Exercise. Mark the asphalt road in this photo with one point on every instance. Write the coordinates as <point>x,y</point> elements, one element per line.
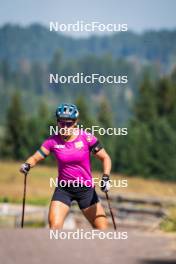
<point>34,246</point>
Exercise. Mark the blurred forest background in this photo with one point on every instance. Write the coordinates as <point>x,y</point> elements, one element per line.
<point>146,104</point>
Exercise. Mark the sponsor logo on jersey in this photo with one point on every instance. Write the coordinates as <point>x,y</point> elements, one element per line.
<point>89,138</point>
<point>59,146</point>
<point>79,144</point>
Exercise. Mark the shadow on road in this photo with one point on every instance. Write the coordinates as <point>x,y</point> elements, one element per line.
<point>158,261</point>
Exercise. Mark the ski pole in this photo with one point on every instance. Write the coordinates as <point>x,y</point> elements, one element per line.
<point>110,209</point>
<point>24,200</point>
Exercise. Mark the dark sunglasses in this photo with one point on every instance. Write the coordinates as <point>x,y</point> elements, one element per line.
<point>66,123</point>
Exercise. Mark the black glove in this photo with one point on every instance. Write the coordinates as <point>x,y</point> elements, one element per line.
<point>105,183</point>
<point>25,167</point>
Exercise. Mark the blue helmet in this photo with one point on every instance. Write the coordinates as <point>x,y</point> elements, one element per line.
<point>69,111</point>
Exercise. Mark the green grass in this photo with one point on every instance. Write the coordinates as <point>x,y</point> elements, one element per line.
<point>169,223</point>
<point>34,224</point>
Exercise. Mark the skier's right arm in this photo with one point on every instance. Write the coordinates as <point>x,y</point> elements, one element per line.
<point>40,154</point>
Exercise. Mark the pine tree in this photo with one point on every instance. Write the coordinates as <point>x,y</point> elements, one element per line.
<point>105,114</point>
<point>56,63</point>
<point>84,116</point>
<point>14,145</point>
<point>166,98</point>
<point>145,105</point>
<point>39,124</point>
<point>105,120</point>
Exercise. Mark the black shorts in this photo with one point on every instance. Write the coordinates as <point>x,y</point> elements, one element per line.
<point>84,196</point>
